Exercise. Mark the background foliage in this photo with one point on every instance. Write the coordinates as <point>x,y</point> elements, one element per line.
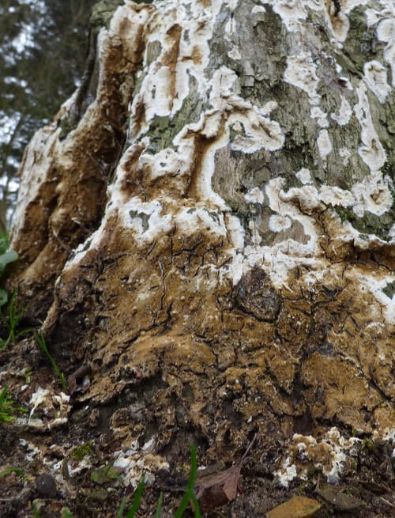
<point>43,46</point>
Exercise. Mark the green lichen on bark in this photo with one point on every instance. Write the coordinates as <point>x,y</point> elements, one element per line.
<point>361,44</point>
<point>369,223</point>
<point>162,130</point>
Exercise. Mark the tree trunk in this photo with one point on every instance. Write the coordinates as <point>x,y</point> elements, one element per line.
<point>208,229</point>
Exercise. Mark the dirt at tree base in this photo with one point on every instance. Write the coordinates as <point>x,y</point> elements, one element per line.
<point>208,252</point>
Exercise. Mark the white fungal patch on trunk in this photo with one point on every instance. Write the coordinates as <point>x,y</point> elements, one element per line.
<point>372,151</point>
<point>279,259</point>
<point>258,9</point>
<point>254,195</point>
<point>375,77</point>
<point>145,218</point>
<point>384,20</point>
<point>304,176</point>
<point>386,34</point>
<point>346,154</point>
<point>189,219</point>
<point>339,22</point>
<point>320,116</point>
<point>292,12</point>
<point>183,31</point>
<point>335,196</point>
<point>324,143</point>
<point>373,194</point>
<point>376,286</point>
<point>279,223</point>
<point>344,114</point>
<point>301,72</point>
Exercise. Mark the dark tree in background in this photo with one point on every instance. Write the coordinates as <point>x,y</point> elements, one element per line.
<point>43,45</point>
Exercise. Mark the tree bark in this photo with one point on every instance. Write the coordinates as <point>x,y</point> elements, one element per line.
<point>214,241</point>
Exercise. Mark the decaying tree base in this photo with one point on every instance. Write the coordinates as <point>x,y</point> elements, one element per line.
<point>208,249</point>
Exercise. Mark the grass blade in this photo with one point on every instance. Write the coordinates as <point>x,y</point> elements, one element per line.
<point>138,494</point>
<point>158,513</point>
<point>189,495</point>
<point>121,509</point>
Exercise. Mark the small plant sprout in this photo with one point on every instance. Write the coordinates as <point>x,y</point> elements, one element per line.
<point>12,320</point>
<point>42,345</point>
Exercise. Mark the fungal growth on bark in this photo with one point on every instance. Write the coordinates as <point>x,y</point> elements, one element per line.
<point>213,240</point>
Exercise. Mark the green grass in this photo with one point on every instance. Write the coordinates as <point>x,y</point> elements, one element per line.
<point>121,509</point>
<point>8,408</point>
<point>158,512</point>
<point>12,469</point>
<point>66,513</point>
<point>138,494</point>
<point>11,321</point>
<point>42,345</point>
<point>189,495</point>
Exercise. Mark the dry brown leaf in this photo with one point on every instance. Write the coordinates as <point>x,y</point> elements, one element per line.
<point>220,488</point>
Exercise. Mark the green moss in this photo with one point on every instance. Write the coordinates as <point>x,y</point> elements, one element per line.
<point>368,444</point>
<point>105,474</point>
<point>82,451</point>
<point>11,469</point>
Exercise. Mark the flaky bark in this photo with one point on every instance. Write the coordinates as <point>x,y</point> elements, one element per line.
<point>215,238</point>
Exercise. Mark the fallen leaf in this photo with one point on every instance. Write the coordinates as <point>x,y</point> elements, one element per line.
<point>340,501</point>
<point>296,507</point>
<point>220,488</point>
